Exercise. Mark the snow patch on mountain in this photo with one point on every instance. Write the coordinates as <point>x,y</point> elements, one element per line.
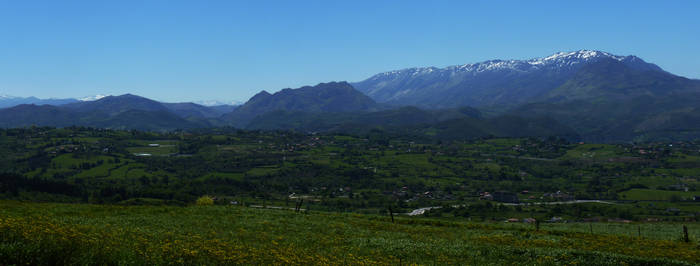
<point>93,98</point>
<point>217,102</point>
<point>558,60</point>
<point>5,96</point>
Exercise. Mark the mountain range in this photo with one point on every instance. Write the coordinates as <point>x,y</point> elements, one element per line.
<point>9,101</point>
<point>603,97</point>
<point>589,95</point>
<point>497,82</point>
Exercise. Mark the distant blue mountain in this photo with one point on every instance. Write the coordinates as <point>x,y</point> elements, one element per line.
<point>9,101</point>
<point>118,112</point>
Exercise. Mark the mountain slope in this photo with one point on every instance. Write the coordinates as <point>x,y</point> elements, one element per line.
<point>356,121</point>
<point>608,101</point>
<point>489,83</point>
<point>193,110</point>
<point>113,105</point>
<point>445,124</point>
<point>332,97</point>
<point>29,114</point>
<point>609,79</point>
<point>641,118</point>
<point>602,97</point>
<point>146,120</point>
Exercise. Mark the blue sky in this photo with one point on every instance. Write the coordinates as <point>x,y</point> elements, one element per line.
<point>230,50</point>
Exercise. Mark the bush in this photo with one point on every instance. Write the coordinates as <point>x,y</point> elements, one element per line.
<point>205,200</point>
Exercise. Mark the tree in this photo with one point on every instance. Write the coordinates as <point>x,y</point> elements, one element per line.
<point>205,200</point>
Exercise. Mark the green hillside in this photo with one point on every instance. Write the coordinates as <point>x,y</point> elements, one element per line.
<point>331,97</point>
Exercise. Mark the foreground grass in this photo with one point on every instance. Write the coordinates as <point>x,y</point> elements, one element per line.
<point>42,233</point>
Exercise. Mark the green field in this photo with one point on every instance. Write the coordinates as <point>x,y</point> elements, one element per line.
<point>593,152</point>
<point>72,234</point>
<point>658,195</point>
<point>129,209</point>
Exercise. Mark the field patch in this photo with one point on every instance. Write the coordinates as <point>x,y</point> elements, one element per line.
<point>660,195</point>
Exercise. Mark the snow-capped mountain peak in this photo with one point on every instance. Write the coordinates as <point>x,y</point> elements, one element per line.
<point>557,60</point>
<point>5,96</point>
<point>492,82</point>
<point>93,98</point>
<point>560,59</point>
<point>573,57</point>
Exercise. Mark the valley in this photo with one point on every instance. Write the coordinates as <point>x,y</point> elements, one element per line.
<point>355,173</point>
<point>183,133</point>
<point>580,158</point>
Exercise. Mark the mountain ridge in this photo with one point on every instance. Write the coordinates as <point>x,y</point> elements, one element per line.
<point>487,83</point>
<point>330,97</point>
<point>594,95</point>
<point>10,101</point>
<point>126,111</point>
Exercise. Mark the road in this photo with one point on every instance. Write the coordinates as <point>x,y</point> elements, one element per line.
<point>421,211</point>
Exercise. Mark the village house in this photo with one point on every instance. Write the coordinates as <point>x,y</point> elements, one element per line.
<point>555,220</point>
<point>559,196</point>
<point>485,196</point>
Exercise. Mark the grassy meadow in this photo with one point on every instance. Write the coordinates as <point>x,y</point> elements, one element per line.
<point>84,234</point>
